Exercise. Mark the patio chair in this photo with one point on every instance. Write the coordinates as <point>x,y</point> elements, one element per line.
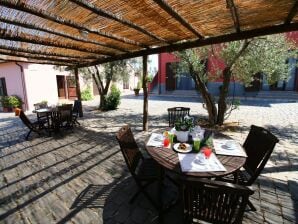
<point>144,171</point>
<point>33,126</point>
<point>77,107</point>
<point>62,118</point>
<point>214,201</point>
<point>258,146</point>
<point>175,113</point>
<point>41,117</point>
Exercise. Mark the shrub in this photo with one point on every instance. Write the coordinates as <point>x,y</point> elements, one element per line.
<point>86,94</point>
<point>113,99</point>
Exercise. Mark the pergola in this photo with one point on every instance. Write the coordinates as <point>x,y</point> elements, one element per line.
<point>80,33</point>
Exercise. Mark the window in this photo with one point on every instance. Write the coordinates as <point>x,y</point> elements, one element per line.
<point>3,91</point>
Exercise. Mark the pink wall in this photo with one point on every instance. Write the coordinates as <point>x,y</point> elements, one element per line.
<point>12,74</point>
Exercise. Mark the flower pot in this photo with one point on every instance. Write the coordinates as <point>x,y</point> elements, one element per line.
<point>7,109</point>
<point>136,91</point>
<point>182,136</point>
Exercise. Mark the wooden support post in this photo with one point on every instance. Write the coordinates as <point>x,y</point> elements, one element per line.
<point>78,88</point>
<point>145,91</point>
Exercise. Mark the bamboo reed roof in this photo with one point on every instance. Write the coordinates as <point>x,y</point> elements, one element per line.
<point>88,32</point>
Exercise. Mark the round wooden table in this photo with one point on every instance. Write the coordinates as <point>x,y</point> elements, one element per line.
<point>168,159</point>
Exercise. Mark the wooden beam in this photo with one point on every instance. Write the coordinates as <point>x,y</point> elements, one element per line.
<point>22,6</point>
<point>109,15</point>
<point>47,30</point>
<point>38,52</point>
<point>7,35</point>
<point>145,92</point>
<point>40,57</point>
<point>234,12</point>
<point>201,42</point>
<point>165,6</point>
<point>78,88</point>
<point>35,62</point>
<point>292,12</point>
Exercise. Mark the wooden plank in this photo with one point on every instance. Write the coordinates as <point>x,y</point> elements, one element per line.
<point>40,57</point>
<point>34,40</point>
<point>109,15</point>
<point>22,6</point>
<point>235,17</point>
<point>47,30</point>
<point>292,13</point>
<point>39,52</point>
<point>202,42</point>
<point>34,62</point>
<point>165,6</point>
<point>145,92</point>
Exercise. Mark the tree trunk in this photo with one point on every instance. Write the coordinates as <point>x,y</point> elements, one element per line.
<point>210,104</point>
<point>222,104</point>
<point>102,101</point>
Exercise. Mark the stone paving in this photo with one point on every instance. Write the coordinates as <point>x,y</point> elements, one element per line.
<point>80,176</point>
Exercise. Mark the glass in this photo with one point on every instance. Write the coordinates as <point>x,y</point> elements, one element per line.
<point>171,137</point>
<point>166,142</point>
<point>196,143</point>
<point>207,152</point>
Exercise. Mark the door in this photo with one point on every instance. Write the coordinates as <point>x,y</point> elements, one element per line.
<point>170,77</point>
<point>61,86</point>
<point>71,87</point>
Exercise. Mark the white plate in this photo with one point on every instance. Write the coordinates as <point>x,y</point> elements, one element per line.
<point>188,148</point>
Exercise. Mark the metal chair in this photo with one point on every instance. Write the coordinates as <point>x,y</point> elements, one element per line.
<point>144,171</point>
<point>258,145</point>
<point>175,113</point>
<point>214,201</point>
<point>33,126</point>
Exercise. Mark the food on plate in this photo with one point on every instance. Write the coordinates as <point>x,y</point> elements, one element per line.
<point>182,146</point>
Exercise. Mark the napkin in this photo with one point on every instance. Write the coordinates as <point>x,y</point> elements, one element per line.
<point>190,162</point>
<point>155,140</point>
<point>228,147</point>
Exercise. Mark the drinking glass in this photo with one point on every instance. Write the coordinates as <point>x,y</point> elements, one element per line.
<point>207,152</point>
<point>166,142</point>
<point>171,137</point>
<point>196,143</point>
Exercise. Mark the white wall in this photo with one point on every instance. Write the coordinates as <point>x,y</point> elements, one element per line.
<point>41,84</point>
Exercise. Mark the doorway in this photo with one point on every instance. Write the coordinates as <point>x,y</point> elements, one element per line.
<point>61,86</point>
<point>170,77</point>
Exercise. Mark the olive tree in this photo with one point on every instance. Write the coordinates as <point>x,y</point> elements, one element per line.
<point>242,60</point>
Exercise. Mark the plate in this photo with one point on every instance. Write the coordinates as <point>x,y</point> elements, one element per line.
<point>188,148</point>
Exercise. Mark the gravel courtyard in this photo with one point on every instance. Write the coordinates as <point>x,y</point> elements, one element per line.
<point>80,176</point>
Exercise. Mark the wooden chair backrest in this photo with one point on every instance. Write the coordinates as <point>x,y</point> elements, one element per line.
<point>65,112</point>
<point>214,201</point>
<point>40,105</point>
<point>175,113</point>
<point>129,148</point>
<point>26,120</point>
<point>258,145</point>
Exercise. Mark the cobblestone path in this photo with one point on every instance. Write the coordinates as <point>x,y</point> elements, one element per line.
<point>80,176</point>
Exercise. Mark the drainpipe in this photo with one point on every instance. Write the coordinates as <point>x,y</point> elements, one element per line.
<point>24,87</point>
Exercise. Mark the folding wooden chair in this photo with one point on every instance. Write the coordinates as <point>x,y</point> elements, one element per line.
<point>144,171</point>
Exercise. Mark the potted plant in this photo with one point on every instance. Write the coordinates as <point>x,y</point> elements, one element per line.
<point>5,103</point>
<point>10,102</point>
<point>182,128</point>
<point>137,89</point>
